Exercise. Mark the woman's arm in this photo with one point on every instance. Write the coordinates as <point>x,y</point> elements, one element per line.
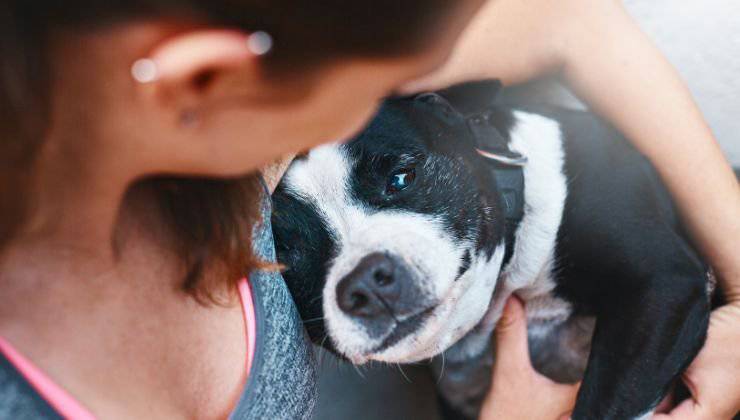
<point>613,66</point>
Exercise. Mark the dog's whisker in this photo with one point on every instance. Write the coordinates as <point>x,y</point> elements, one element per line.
<point>400,369</point>
<point>442,371</point>
<point>322,351</point>
<point>321,318</point>
<point>359,372</point>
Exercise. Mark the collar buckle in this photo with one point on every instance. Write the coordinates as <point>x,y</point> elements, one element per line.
<point>490,143</point>
<point>504,157</point>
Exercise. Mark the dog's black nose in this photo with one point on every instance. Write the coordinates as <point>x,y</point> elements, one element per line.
<point>374,287</point>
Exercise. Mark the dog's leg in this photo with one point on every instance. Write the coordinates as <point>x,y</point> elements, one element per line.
<point>558,351</point>
<point>463,379</point>
<point>643,341</point>
<point>624,259</point>
<point>562,352</point>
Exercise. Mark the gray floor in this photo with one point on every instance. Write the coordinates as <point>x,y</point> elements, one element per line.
<point>702,39</point>
<point>374,392</point>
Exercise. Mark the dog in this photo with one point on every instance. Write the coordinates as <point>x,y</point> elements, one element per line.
<point>405,242</point>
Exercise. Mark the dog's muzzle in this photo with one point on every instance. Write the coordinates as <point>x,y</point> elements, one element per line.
<point>383,295</point>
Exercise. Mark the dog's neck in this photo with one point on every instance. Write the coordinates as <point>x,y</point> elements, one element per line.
<point>528,273</point>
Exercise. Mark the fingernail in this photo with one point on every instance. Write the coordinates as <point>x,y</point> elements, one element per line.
<point>512,302</point>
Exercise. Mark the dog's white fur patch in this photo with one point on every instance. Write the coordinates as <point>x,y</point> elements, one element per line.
<point>419,240</point>
<point>529,273</point>
<point>540,140</point>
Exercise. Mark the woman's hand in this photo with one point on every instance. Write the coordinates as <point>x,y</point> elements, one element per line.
<point>518,391</point>
<point>715,373</point>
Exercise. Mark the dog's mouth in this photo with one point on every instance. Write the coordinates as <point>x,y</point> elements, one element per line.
<point>403,329</point>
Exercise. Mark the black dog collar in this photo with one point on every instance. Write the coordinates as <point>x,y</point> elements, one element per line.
<point>508,168</point>
<point>473,105</point>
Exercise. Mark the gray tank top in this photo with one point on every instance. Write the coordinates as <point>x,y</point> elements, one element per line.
<point>282,382</point>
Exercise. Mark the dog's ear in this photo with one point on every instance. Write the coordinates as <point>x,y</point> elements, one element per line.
<point>463,100</point>
<point>472,97</point>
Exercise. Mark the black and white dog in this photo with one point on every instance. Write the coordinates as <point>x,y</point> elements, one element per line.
<point>405,243</point>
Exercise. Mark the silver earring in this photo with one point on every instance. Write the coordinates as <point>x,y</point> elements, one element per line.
<point>259,43</point>
<point>145,71</point>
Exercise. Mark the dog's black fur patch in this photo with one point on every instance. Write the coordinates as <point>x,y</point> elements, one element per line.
<point>304,246</point>
<point>430,141</point>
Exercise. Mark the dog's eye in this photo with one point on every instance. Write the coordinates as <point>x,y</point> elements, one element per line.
<point>401,180</point>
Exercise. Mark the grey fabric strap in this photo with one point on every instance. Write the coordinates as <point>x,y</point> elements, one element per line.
<point>18,399</point>
<point>282,382</point>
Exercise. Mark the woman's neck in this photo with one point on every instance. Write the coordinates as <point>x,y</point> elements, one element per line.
<point>75,203</point>
<point>66,294</point>
<point>82,232</point>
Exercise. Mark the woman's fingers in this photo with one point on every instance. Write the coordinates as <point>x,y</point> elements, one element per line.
<point>564,399</point>
<point>667,404</point>
<point>687,410</point>
<point>713,378</point>
<point>511,338</point>
<point>518,391</point>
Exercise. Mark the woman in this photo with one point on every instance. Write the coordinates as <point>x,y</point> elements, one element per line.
<point>127,128</point>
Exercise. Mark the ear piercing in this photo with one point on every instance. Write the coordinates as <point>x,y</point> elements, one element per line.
<point>145,71</point>
<point>259,43</point>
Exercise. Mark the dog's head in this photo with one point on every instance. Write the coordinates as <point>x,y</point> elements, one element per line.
<point>393,242</point>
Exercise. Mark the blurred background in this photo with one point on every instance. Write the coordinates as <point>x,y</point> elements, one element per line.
<point>702,39</point>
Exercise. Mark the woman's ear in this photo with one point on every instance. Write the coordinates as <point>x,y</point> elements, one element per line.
<point>181,68</point>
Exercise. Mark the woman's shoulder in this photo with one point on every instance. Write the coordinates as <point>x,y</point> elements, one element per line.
<point>282,379</point>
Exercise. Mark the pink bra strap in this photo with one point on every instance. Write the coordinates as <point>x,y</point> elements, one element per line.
<point>59,399</point>
<point>67,406</point>
<point>250,320</point>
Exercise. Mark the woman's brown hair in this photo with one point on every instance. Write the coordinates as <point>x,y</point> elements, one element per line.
<point>211,220</point>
